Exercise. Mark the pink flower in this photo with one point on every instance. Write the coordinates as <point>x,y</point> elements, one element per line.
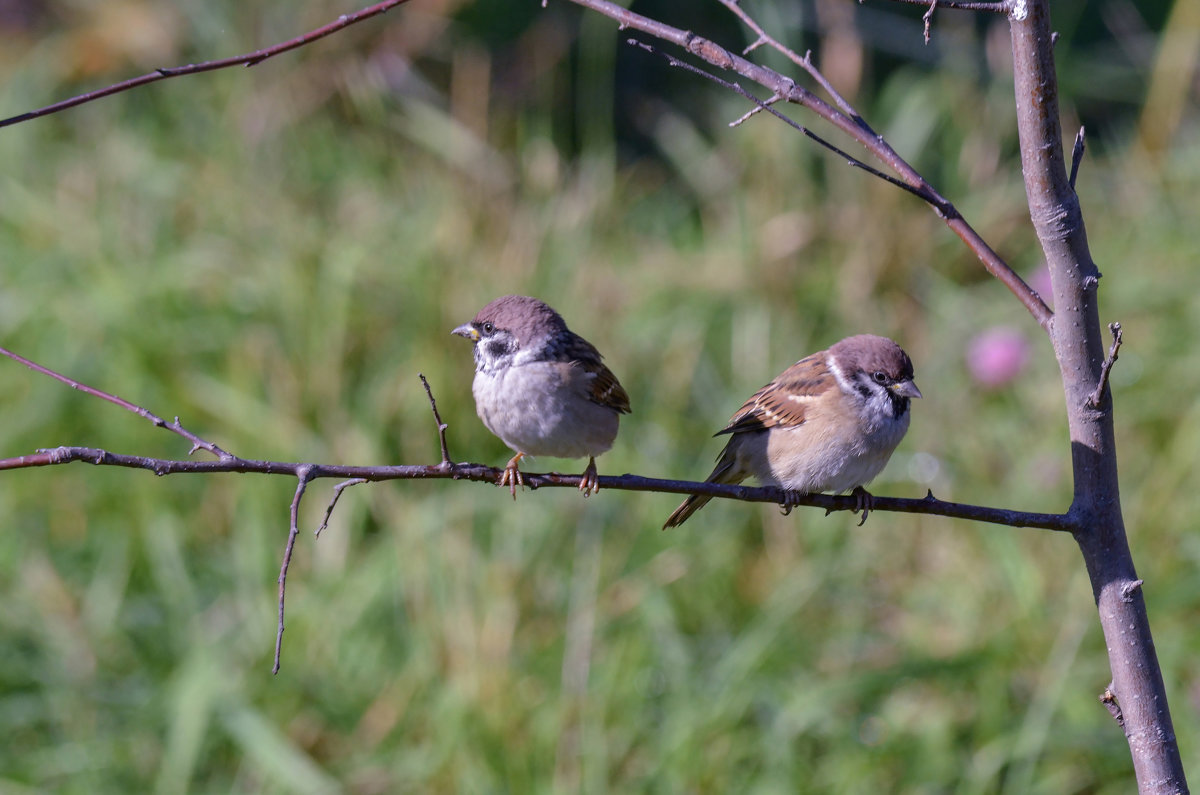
<point>997,356</point>
<point>1040,281</point>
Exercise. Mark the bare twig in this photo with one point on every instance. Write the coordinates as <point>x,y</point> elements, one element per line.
<point>804,63</point>
<point>173,427</point>
<point>1109,699</point>
<point>1097,396</point>
<point>441,426</point>
<point>927,18</point>
<point>759,108</point>
<point>965,5</point>
<point>930,197</point>
<point>1077,156</point>
<point>337,495</point>
<point>303,476</point>
<point>248,59</point>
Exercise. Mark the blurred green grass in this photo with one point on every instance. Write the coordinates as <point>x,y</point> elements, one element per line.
<point>274,254</point>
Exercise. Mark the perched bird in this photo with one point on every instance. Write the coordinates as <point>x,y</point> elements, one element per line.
<point>828,423</point>
<point>542,388</point>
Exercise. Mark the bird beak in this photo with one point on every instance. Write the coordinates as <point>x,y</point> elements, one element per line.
<point>905,389</point>
<point>468,331</point>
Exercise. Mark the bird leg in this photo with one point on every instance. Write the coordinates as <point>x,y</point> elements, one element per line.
<point>864,502</point>
<point>589,482</point>
<point>790,500</point>
<point>512,476</point>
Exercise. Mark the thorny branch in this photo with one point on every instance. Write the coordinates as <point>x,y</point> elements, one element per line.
<point>247,59</point>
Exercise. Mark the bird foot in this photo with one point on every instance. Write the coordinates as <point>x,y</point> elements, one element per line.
<point>512,475</point>
<point>589,482</point>
<point>790,500</point>
<point>864,503</point>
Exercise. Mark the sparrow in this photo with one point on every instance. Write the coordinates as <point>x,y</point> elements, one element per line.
<point>541,387</point>
<point>828,423</point>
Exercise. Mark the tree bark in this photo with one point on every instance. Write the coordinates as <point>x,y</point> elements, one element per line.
<point>1076,334</point>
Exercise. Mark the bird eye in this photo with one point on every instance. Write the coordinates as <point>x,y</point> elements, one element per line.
<point>488,327</point>
<point>880,377</point>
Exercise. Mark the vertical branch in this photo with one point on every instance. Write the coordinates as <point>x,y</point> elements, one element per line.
<point>303,476</point>
<point>1076,335</point>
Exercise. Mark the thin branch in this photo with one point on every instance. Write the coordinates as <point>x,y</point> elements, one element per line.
<point>927,18</point>
<point>804,63</point>
<point>759,108</point>
<point>437,418</point>
<point>481,473</point>
<point>787,88</point>
<point>1077,156</point>
<point>248,59</point>
<point>333,501</point>
<point>1097,396</point>
<point>965,5</point>
<point>931,198</point>
<point>302,477</point>
<point>173,427</point>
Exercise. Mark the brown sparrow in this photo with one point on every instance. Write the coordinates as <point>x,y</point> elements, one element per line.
<point>541,387</point>
<point>828,423</point>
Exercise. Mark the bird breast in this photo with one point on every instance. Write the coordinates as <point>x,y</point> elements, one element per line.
<point>544,408</point>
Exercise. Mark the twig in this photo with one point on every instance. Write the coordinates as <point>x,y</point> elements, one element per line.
<point>1097,396</point>
<point>927,18</point>
<point>1077,156</point>
<point>303,476</point>
<point>804,63</point>
<point>248,59</point>
<point>337,495</point>
<point>441,426</point>
<point>965,5</point>
<point>173,427</point>
<point>1109,699</point>
<point>931,198</point>
<point>759,108</point>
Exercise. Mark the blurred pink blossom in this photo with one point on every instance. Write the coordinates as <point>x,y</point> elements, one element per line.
<point>1040,281</point>
<point>997,356</point>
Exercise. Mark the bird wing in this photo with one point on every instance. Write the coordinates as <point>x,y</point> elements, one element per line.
<point>784,401</point>
<point>603,386</point>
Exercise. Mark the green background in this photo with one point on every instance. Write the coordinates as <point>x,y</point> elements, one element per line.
<point>273,254</point>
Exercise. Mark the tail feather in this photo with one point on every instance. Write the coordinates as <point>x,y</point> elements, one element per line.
<point>723,473</point>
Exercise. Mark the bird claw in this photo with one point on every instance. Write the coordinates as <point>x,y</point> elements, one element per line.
<point>790,500</point>
<point>864,503</point>
<point>589,482</point>
<point>512,475</point>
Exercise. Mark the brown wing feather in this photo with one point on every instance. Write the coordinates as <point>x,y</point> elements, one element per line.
<point>784,401</point>
<point>605,388</point>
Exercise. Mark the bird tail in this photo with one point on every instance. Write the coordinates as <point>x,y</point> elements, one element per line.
<point>724,472</point>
